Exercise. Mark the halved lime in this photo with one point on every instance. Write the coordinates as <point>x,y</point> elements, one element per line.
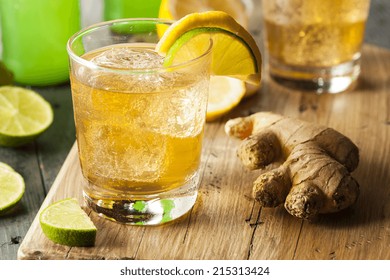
<point>24,115</point>
<point>11,188</point>
<point>65,223</point>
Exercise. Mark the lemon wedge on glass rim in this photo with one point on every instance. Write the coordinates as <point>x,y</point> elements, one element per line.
<point>240,10</point>
<point>235,54</point>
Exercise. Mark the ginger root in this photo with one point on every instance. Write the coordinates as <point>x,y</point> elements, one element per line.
<point>316,161</point>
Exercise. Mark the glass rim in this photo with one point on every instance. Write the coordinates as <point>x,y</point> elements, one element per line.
<point>99,25</point>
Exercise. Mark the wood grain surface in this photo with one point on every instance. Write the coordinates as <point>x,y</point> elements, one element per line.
<point>226,223</point>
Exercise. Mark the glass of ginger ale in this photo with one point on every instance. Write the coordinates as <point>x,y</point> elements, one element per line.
<point>315,45</point>
<point>139,125</point>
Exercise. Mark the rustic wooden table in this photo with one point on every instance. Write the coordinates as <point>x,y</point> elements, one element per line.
<point>362,232</point>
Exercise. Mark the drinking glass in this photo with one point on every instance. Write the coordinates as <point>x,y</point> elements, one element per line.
<point>315,45</point>
<point>139,124</point>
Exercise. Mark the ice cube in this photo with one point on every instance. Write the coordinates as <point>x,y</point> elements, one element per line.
<point>128,58</point>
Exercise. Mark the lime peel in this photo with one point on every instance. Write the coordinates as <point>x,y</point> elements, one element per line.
<point>65,222</point>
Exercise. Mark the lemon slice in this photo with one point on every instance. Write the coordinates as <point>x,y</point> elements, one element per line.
<point>64,222</point>
<point>235,52</point>
<point>176,9</point>
<point>224,94</point>
<point>24,115</point>
<point>11,187</point>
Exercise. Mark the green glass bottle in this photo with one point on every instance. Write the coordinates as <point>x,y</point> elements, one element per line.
<point>114,9</point>
<point>34,37</point>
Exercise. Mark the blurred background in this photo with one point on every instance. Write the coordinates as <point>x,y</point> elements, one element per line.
<point>93,11</point>
<point>378,20</point>
<point>379,15</point>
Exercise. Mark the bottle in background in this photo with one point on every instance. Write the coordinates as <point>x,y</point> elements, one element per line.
<point>34,36</point>
<point>115,9</point>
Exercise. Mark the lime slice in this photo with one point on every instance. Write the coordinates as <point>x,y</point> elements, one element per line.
<point>11,188</point>
<point>65,223</point>
<point>225,93</point>
<point>6,166</point>
<point>235,52</point>
<point>24,115</point>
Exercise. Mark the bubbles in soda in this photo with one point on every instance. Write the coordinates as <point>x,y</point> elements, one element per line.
<point>138,130</point>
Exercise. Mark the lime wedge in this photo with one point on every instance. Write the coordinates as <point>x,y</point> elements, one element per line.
<point>24,115</point>
<point>11,187</point>
<point>65,223</point>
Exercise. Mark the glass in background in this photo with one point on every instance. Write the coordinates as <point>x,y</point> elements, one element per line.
<point>315,45</point>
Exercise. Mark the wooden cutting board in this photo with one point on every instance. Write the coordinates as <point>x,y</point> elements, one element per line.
<point>226,223</point>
